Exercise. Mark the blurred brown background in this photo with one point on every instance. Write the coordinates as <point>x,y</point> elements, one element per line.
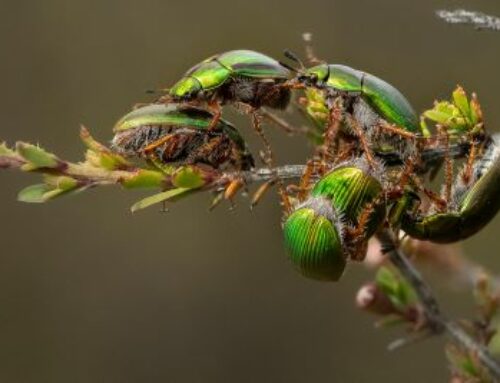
<point>92,293</point>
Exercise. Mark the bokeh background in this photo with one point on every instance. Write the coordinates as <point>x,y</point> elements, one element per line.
<point>91,293</point>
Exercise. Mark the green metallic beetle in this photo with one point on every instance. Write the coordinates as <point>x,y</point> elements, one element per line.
<point>473,206</point>
<point>361,90</point>
<point>243,76</point>
<point>367,102</point>
<point>344,209</point>
<point>178,133</point>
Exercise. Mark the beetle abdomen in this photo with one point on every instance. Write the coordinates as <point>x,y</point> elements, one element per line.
<point>131,142</point>
<point>257,93</point>
<point>177,133</point>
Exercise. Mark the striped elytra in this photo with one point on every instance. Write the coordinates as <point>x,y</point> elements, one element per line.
<point>313,239</point>
<point>385,99</point>
<point>242,76</point>
<point>351,190</point>
<point>344,209</point>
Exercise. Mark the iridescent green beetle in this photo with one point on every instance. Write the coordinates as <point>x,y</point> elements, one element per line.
<point>474,204</point>
<point>239,77</point>
<point>179,133</point>
<point>368,102</point>
<point>344,209</point>
<point>362,89</point>
<point>243,76</point>
<point>314,240</point>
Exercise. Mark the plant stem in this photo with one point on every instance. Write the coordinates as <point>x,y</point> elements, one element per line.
<point>437,321</point>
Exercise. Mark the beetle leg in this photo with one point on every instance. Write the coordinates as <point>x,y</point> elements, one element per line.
<point>448,161</point>
<point>440,203</point>
<point>216,200</point>
<point>407,172</point>
<point>279,122</point>
<point>234,186</point>
<point>215,107</point>
<point>285,200</point>
<point>328,150</point>
<point>469,165</point>
<point>257,196</point>
<point>384,125</point>
<point>210,152</point>
<point>362,138</point>
<point>268,160</point>
<point>356,236</point>
<point>305,180</point>
<point>157,143</point>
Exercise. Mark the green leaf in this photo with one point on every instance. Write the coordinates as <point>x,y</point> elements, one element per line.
<point>188,177</point>
<point>439,117</point>
<point>112,161</point>
<point>460,100</point>
<point>446,107</point>
<point>33,193</point>
<point>101,155</point>
<point>469,367</point>
<point>41,193</point>
<point>144,179</point>
<point>36,156</point>
<point>425,129</point>
<point>157,198</point>
<point>51,194</point>
<point>38,193</point>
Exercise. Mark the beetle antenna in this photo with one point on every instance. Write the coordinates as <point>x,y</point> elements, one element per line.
<point>292,56</point>
<point>156,91</point>
<point>289,67</point>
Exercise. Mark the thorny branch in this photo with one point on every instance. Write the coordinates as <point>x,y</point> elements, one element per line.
<point>437,321</point>
<point>478,20</point>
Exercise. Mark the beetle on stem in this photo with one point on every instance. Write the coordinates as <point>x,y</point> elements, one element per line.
<point>334,223</point>
<point>474,203</point>
<point>244,78</point>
